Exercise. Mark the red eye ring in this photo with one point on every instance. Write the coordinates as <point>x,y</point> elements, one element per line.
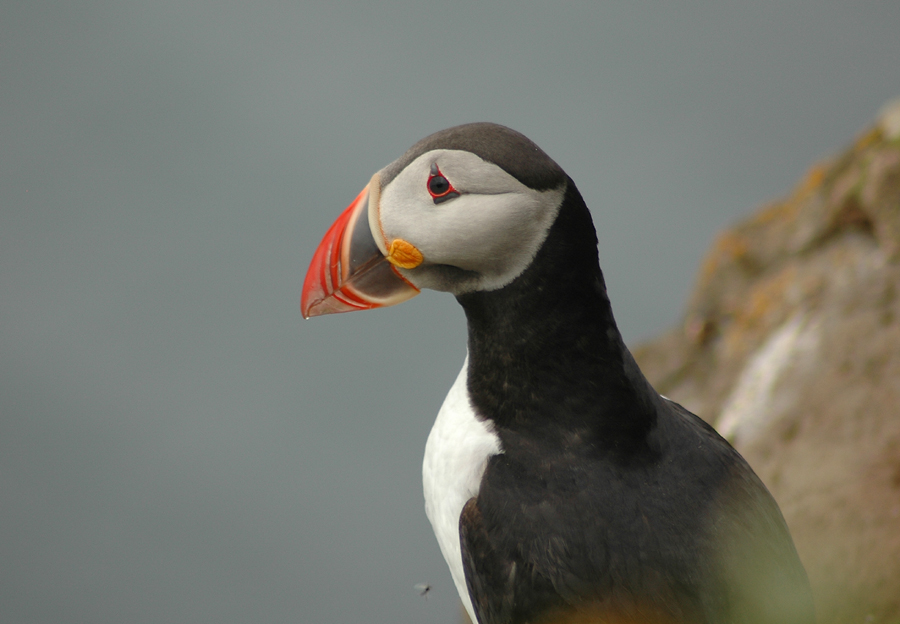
<point>439,186</point>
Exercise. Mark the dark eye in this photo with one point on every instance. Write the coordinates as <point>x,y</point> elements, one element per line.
<point>439,187</point>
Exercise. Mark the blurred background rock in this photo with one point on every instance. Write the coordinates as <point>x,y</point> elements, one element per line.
<point>790,346</point>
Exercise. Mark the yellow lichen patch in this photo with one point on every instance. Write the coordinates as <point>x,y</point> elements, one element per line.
<point>779,211</point>
<point>765,298</point>
<point>728,247</point>
<point>759,311</point>
<point>812,180</point>
<point>867,139</point>
<point>404,255</point>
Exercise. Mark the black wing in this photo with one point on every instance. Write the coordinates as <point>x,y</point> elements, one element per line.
<point>488,575</point>
<point>687,534</point>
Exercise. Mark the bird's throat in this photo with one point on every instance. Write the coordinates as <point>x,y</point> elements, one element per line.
<point>546,348</point>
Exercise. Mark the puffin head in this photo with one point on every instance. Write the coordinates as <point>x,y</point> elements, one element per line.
<point>465,209</point>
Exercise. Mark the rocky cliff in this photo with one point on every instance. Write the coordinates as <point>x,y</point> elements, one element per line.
<point>790,346</point>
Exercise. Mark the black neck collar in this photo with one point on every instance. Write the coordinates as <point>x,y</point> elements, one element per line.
<point>545,355</point>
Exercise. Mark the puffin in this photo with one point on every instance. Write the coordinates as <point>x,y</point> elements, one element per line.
<point>561,487</point>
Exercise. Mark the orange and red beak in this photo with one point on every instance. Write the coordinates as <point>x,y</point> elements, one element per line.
<point>349,271</point>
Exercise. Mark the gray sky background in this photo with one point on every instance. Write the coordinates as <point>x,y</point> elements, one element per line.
<point>176,443</point>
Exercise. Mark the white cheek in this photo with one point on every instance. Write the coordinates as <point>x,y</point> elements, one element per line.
<point>482,233</point>
<point>492,230</point>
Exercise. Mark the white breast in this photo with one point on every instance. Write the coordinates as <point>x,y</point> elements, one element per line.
<point>456,454</point>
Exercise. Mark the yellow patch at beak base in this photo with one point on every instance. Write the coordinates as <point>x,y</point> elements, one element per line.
<point>404,255</point>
